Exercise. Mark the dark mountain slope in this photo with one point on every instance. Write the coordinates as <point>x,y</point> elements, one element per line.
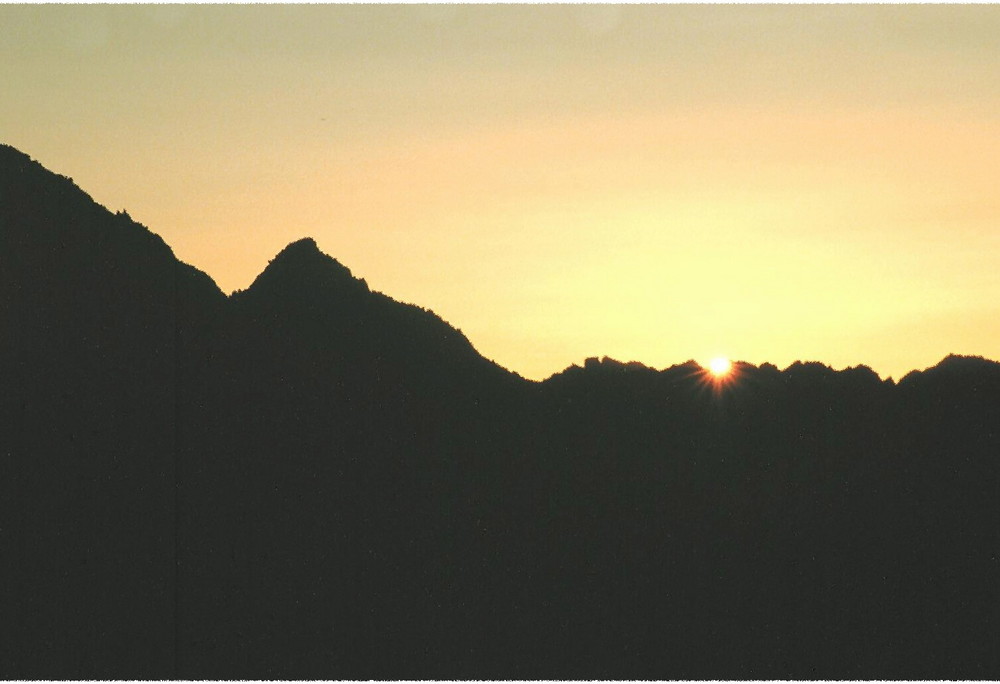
<point>308,306</point>
<point>359,438</point>
<point>102,327</point>
<point>308,479</point>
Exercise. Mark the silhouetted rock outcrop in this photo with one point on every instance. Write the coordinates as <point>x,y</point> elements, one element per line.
<point>308,479</point>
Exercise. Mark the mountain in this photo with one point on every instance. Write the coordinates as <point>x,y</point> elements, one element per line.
<point>103,333</point>
<point>355,338</point>
<point>308,479</point>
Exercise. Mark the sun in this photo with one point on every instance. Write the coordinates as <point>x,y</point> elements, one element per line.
<point>720,366</point>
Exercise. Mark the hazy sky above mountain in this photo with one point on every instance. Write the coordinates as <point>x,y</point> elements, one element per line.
<point>657,183</point>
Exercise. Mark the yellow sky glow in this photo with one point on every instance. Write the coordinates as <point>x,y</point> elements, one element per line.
<point>658,183</point>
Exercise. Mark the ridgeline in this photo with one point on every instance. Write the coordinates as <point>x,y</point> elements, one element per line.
<point>308,479</point>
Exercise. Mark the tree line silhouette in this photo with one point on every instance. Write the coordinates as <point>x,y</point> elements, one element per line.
<point>308,479</point>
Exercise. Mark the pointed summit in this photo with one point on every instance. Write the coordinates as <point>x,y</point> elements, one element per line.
<point>305,248</point>
<point>301,267</point>
<point>308,299</point>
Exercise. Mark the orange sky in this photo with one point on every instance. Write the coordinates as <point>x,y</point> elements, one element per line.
<point>657,183</point>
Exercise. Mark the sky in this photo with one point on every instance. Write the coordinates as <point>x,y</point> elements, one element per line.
<point>651,183</point>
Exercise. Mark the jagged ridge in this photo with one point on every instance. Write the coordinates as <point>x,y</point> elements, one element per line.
<point>310,480</point>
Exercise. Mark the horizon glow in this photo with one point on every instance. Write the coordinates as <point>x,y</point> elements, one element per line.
<point>559,182</point>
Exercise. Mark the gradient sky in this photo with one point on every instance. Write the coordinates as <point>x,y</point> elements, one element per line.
<point>656,183</point>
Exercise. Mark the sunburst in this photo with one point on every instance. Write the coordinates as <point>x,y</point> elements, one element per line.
<point>720,367</point>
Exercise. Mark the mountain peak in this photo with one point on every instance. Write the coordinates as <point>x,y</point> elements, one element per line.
<point>302,267</point>
<point>303,247</point>
<point>305,253</point>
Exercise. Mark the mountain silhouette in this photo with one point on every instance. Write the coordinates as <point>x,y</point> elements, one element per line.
<point>308,479</point>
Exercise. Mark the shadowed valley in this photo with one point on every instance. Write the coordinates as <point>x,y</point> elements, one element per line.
<point>308,479</point>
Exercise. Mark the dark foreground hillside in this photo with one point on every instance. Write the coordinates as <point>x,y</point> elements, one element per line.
<point>308,479</point>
